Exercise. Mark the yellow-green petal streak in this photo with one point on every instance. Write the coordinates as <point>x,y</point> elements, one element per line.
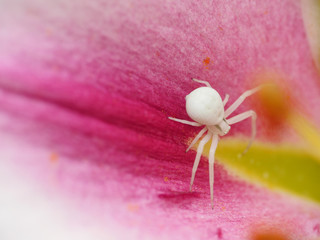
<point>282,167</point>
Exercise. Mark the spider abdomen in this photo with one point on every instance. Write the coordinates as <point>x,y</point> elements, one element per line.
<point>204,105</point>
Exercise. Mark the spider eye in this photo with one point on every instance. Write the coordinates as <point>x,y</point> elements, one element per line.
<point>204,105</point>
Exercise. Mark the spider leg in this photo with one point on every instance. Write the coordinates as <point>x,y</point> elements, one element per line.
<point>212,152</point>
<point>201,81</point>
<point>240,100</point>
<point>226,99</point>
<point>198,156</point>
<point>197,138</point>
<point>195,124</point>
<point>241,117</point>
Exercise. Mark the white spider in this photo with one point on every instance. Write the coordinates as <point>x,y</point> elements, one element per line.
<point>205,106</point>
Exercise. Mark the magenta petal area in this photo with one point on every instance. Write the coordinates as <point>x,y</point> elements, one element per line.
<point>87,88</point>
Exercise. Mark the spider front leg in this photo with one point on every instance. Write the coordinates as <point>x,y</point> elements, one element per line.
<point>225,100</point>
<point>198,156</point>
<point>212,152</point>
<point>241,117</point>
<point>195,124</point>
<point>201,81</point>
<point>240,100</point>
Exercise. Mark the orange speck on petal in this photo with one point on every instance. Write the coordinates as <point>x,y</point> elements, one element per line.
<point>54,158</point>
<point>269,236</point>
<point>133,207</point>
<point>166,179</point>
<point>48,32</point>
<point>206,61</point>
<point>264,231</point>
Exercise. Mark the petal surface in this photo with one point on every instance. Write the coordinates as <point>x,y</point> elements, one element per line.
<point>86,89</point>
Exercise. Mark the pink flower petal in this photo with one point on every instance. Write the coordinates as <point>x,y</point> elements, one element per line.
<point>88,86</point>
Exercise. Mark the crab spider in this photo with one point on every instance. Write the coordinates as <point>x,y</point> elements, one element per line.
<point>205,106</point>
